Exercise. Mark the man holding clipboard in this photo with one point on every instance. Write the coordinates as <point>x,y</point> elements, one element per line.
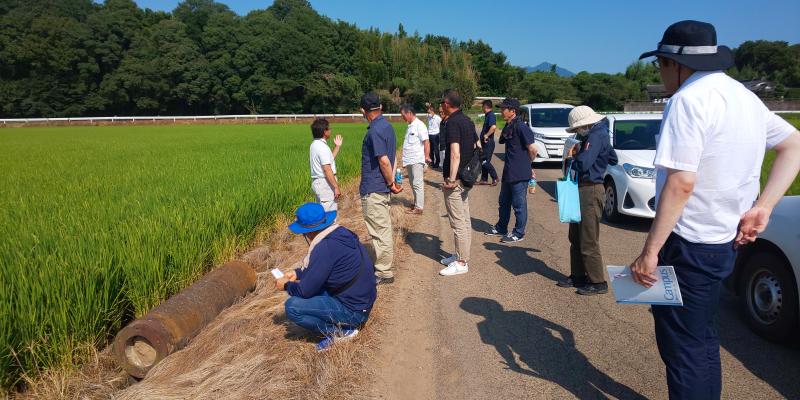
<point>708,159</point>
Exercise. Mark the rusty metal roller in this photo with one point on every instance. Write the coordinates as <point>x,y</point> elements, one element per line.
<point>169,327</point>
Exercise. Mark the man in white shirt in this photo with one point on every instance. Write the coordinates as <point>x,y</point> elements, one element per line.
<point>712,142</point>
<point>323,165</point>
<point>415,153</point>
<point>434,120</point>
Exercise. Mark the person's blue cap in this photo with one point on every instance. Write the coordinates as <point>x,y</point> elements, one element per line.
<point>311,217</point>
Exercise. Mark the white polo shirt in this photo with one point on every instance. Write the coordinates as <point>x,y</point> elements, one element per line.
<point>320,155</point>
<point>433,124</point>
<point>720,130</point>
<point>413,148</point>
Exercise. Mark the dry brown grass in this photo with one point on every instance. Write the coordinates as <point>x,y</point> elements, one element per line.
<point>250,350</point>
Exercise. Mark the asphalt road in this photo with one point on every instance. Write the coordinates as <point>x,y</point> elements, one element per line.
<point>505,331</point>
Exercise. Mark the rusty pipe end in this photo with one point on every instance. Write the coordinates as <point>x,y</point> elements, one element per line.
<point>141,345</point>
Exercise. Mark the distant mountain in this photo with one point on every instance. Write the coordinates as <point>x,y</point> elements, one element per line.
<point>545,67</point>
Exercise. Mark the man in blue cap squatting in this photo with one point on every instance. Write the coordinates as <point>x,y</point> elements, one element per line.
<point>333,291</point>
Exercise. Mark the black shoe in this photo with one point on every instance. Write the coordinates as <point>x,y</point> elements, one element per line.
<point>384,281</point>
<point>592,289</point>
<point>572,282</point>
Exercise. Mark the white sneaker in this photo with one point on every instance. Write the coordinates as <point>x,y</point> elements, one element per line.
<point>455,268</point>
<point>449,260</point>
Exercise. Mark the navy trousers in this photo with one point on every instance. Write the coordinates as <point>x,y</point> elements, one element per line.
<point>487,169</point>
<point>513,194</point>
<point>434,152</point>
<point>687,336</point>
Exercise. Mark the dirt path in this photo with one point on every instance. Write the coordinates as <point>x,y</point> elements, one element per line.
<point>504,330</point>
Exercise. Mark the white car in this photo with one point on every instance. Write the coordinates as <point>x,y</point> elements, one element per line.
<point>630,185</point>
<point>549,124</point>
<point>767,274</point>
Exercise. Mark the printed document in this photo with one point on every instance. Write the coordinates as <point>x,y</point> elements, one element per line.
<point>665,292</point>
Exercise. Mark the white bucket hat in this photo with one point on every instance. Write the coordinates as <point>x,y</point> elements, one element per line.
<point>582,116</point>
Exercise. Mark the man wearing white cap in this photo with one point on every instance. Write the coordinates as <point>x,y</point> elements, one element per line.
<point>708,162</point>
<point>588,161</point>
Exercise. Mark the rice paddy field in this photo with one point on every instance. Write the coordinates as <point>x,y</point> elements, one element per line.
<point>769,158</point>
<point>100,224</point>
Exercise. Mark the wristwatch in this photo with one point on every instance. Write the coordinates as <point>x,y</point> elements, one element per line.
<point>390,184</point>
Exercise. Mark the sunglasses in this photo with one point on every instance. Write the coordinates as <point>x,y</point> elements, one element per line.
<point>656,63</point>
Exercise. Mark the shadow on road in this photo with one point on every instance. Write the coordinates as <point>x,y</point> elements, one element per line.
<point>545,350</point>
<point>426,244</point>
<point>549,187</point>
<point>516,260</point>
<point>435,185</point>
<point>777,365</point>
<point>632,224</point>
<point>480,226</point>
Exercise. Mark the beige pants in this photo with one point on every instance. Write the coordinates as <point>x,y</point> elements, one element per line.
<point>415,175</point>
<point>457,203</point>
<point>375,207</point>
<point>325,195</point>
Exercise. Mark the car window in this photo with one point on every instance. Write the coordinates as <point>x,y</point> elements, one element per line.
<point>636,134</point>
<point>550,117</point>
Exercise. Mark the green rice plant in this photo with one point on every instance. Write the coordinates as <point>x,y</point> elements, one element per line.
<point>100,224</point>
<point>769,158</point>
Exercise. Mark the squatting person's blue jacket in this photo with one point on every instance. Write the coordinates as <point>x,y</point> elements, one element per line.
<point>334,262</point>
<point>595,154</point>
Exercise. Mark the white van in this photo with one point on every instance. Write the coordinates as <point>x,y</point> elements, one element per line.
<point>548,121</point>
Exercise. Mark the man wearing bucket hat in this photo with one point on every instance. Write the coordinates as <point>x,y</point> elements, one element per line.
<point>333,291</point>
<point>708,162</point>
<point>588,160</point>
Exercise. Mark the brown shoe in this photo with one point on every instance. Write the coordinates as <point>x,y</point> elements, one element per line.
<point>494,183</point>
<point>415,211</point>
<point>482,183</point>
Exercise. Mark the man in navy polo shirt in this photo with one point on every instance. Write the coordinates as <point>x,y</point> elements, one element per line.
<point>487,141</point>
<point>377,182</point>
<point>518,170</point>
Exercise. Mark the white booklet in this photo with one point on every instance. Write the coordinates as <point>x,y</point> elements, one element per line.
<point>665,292</point>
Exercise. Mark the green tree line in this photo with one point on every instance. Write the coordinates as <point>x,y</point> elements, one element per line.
<point>80,58</point>
<point>77,57</point>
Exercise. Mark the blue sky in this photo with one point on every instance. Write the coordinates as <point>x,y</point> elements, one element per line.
<point>595,36</point>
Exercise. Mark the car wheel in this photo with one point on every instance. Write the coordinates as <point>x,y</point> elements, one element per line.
<point>769,297</point>
<point>611,204</point>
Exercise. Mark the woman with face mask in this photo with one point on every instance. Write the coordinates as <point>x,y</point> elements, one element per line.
<point>588,161</point>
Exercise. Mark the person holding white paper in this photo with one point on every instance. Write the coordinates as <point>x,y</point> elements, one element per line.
<point>588,160</point>
<point>708,160</point>
<point>333,292</point>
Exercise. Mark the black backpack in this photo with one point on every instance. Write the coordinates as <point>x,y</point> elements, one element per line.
<point>472,171</point>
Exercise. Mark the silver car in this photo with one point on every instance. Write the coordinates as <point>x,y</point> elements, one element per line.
<point>767,274</point>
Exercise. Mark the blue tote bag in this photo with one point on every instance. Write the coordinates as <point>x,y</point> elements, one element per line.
<point>569,203</point>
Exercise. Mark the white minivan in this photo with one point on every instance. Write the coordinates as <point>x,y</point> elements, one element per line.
<point>549,124</point>
<point>630,185</point>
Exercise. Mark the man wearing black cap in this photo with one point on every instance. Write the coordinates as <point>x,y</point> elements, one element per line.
<point>708,162</point>
<point>377,182</point>
<point>517,171</point>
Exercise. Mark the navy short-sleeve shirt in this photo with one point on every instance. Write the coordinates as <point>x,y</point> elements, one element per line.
<point>517,136</point>
<point>379,141</point>
<point>488,120</point>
